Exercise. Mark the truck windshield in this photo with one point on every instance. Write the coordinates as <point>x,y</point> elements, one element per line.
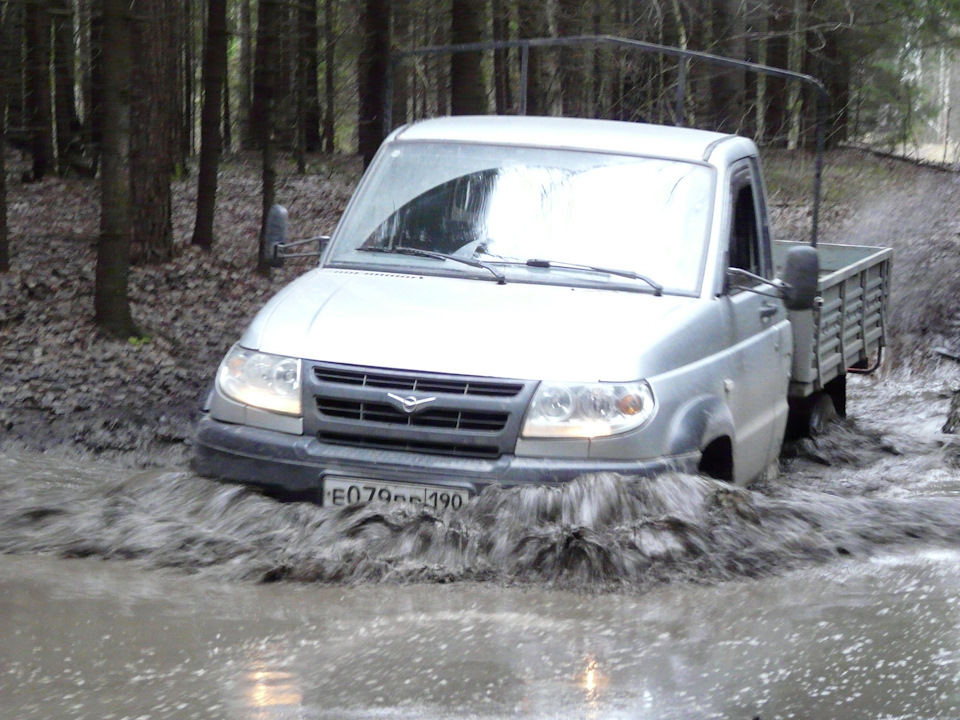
<point>511,205</point>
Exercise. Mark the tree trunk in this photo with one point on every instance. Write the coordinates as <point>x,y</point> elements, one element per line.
<point>795,53</point>
<point>247,141</point>
<point>501,59</point>
<point>187,123</point>
<point>214,71</point>
<point>468,88</point>
<point>835,70</point>
<point>403,37</point>
<point>534,23</point>
<point>264,86</point>
<point>111,304</point>
<point>64,59</point>
<point>329,84</point>
<point>84,63</point>
<point>95,112</point>
<point>373,66</point>
<point>728,85</point>
<point>286,121</point>
<point>153,132</point>
<point>573,60</point>
<point>310,33</point>
<point>762,97</point>
<point>40,114</point>
<point>14,59</point>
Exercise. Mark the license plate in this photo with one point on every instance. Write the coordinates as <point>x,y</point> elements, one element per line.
<point>338,491</point>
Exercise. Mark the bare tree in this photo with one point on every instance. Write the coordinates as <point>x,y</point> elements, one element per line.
<point>65,103</point>
<point>728,86</point>
<point>264,88</point>
<point>403,37</point>
<point>503,90</point>
<point>534,22</point>
<point>111,302</point>
<point>329,84</point>
<point>309,95</point>
<point>37,26</point>
<point>154,128</point>
<point>13,56</point>
<point>245,62</point>
<point>373,64</point>
<point>571,21</point>
<point>468,91</point>
<point>795,54</point>
<point>93,93</point>
<point>214,71</point>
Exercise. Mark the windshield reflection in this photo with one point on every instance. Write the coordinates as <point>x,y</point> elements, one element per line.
<point>509,205</point>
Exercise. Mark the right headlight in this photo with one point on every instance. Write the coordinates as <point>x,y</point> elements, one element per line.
<point>588,410</point>
<point>269,382</point>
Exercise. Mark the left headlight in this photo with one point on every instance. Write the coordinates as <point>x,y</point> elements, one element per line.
<point>270,382</point>
<point>588,410</point>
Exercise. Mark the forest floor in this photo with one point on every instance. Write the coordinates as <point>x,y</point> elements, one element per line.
<point>64,388</point>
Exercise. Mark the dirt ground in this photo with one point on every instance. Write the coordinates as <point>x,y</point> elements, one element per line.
<point>65,388</point>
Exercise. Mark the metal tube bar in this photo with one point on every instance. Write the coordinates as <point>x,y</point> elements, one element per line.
<point>682,54</point>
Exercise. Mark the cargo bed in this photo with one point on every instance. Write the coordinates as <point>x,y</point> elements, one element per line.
<point>846,328</point>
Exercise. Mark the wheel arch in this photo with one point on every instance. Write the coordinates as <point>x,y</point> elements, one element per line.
<point>705,425</point>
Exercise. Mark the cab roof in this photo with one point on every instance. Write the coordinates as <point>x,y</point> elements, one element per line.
<point>612,136</point>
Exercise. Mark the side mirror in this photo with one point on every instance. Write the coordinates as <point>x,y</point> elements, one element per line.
<point>800,277</point>
<point>275,236</point>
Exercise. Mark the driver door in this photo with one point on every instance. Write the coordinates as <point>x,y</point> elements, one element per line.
<point>759,331</point>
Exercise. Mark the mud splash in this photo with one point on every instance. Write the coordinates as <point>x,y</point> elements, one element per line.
<point>599,532</point>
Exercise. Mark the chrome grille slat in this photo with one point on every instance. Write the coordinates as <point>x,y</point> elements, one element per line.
<point>412,383</point>
<point>382,413</point>
<point>465,416</point>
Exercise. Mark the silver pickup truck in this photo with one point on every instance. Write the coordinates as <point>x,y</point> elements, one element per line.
<point>521,300</point>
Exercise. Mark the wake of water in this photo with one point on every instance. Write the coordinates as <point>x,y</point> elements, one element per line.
<point>599,532</point>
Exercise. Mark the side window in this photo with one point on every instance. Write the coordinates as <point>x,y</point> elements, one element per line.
<point>746,249</point>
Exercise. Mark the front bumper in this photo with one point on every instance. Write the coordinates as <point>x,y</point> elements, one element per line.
<point>295,465</point>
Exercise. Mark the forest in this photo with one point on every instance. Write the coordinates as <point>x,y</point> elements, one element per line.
<point>137,93</point>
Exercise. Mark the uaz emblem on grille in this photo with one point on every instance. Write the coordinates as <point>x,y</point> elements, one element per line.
<point>410,404</point>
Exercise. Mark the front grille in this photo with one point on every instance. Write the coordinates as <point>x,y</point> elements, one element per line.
<point>433,418</point>
<point>465,417</point>
<point>416,383</point>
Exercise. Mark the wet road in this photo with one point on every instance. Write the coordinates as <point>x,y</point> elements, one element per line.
<point>712,623</point>
<point>88,639</point>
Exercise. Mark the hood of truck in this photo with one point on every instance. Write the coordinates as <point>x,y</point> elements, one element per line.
<point>477,327</point>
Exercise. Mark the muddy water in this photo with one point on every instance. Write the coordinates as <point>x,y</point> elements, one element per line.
<point>830,590</point>
<point>883,480</point>
<point>859,639</point>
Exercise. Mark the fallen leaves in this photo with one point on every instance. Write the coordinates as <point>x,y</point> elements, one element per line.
<point>63,382</point>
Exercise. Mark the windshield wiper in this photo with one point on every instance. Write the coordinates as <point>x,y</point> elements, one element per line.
<point>537,262</point>
<point>401,250</point>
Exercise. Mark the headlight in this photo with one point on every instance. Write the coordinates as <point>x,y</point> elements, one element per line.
<point>591,410</point>
<point>270,382</point>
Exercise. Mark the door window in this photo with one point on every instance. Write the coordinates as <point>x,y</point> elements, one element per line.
<point>746,249</point>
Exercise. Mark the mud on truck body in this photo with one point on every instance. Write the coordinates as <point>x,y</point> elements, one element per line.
<point>523,300</point>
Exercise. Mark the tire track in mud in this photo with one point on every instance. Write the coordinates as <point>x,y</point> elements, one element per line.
<point>601,532</point>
